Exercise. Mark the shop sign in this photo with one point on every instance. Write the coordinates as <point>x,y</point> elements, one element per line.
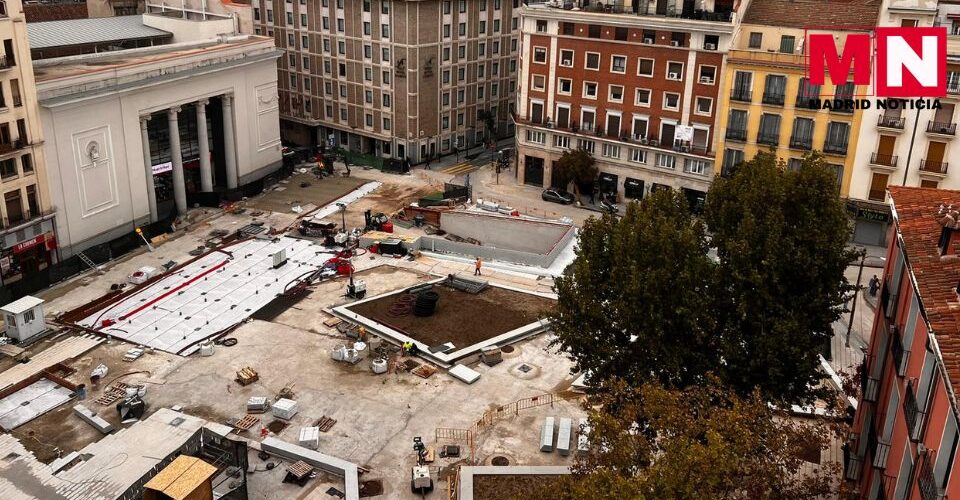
<point>872,215</point>
<point>27,245</point>
<point>162,168</point>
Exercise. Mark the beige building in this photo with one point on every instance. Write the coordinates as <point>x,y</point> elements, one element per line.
<point>28,242</point>
<point>393,78</point>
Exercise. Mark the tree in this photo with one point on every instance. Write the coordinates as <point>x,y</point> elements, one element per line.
<point>643,301</point>
<point>490,122</point>
<point>576,166</point>
<point>781,240</point>
<point>653,442</point>
<point>635,302</point>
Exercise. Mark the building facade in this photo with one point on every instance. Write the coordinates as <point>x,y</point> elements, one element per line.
<point>636,85</point>
<point>394,78</point>
<point>138,136</point>
<point>28,240</point>
<point>905,439</point>
<point>906,146</point>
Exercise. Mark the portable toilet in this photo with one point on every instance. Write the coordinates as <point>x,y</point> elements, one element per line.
<point>24,318</point>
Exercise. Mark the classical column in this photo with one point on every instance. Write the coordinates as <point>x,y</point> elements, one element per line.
<point>176,156</point>
<point>206,174</point>
<point>148,164</point>
<point>229,144</point>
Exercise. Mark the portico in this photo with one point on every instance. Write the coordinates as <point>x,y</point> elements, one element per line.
<point>189,174</point>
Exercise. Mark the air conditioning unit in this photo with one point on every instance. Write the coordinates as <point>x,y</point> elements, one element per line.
<point>566,62</point>
<point>710,46</point>
<point>648,41</point>
<point>644,142</point>
<point>674,76</point>
<point>675,43</point>
<point>706,79</point>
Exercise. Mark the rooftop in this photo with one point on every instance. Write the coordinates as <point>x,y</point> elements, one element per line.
<point>813,13</point>
<point>22,304</point>
<point>915,211</point>
<point>179,479</point>
<point>90,31</point>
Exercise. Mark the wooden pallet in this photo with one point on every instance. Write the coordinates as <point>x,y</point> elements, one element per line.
<point>325,423</point>
<point>112,394</point>
<point>300,469</point>
<point>247,376</point>
<point>424,371</point>
<point>245,423</point>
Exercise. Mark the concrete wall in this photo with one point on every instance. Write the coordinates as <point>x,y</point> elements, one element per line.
<point>505,233</point>
<point>109,195</point>
<point>188,30</point>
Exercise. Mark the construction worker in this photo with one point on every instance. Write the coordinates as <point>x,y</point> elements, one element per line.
<point>407,347</point>
<point>479,263</point>
<point>362,334</point>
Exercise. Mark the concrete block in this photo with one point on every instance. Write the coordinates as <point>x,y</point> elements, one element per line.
<point>563,436</point>
<point>319,460</point>
<point>546,435</point>
<point>91,418</point>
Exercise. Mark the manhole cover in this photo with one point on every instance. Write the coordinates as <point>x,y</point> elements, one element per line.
<point>507,349</point>
<point>500,461</point>
<point>525,368</point>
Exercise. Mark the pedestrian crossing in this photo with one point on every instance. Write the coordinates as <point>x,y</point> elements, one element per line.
<point>461,168</point>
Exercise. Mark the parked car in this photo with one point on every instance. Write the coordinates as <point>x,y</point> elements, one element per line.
<point>557,196</point>
<point>609,206</point>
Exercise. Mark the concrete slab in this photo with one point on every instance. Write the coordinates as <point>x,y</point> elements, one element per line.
<point>464,374</point>
<point>31,402</point>
<point>93,419</point>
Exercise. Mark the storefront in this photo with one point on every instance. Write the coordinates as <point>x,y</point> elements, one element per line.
<point>871,222</point>
<point>608,184</point>
<point>633,188</point>
<point>696,200</point>
<point>27,259</point>
<point>533,171</point>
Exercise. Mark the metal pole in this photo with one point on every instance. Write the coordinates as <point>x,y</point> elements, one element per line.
<point>913,137</point>
<point>856,292</point>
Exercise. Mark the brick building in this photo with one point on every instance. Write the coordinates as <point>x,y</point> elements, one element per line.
<point>636,85</point>
<point>403,79</point>
<point>905,438</point>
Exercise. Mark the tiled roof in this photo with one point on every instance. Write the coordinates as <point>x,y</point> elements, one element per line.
<point>936,276</point>
<point>820,13</point>
<point>86,31</point>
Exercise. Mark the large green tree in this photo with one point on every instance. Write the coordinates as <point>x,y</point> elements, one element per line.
<point>577,166</point>
<point>635,303</point>
<point>706,441</point>
<point>643,301</point>
<point>781,238</point>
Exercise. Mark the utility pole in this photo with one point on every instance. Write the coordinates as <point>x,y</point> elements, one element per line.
<point>913,137</point>
<point>856,292</point>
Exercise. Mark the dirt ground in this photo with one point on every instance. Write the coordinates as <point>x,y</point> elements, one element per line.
<point>462,318</point>
<point>320,192</point>
<point>389,199</point>
<point>509,487</point>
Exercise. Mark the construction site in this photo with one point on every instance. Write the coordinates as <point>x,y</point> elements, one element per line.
<point>315,341</point>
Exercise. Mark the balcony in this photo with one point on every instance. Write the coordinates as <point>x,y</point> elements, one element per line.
<point>926,479</point>
<point>804,143</point>
<point>736,134</point>
<point>879,448</point>
<point>936,168</point>
<point>953,88</point>
<point>9,147</point>
<point>769,139</point>
<point>741,95</point>
<point>942,128</point>
<point>28,217</point>
<point>3,9</point>
<point>643,9</point>
<point>773,99</point>
<point>890,122</point>
<point>835,148</point>
<point>912,413</point>
<point>884,161</point>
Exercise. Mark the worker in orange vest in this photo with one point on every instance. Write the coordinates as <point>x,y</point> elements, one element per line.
<point>479,263</point>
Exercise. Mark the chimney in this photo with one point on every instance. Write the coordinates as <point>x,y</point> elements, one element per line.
<point>949,218</point>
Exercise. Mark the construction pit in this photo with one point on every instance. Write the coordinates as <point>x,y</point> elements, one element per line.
<point>367,419</point>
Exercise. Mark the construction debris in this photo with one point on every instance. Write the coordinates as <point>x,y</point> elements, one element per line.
<point>91,418</point>
<point>468,285</point>
<point>424,371</point>
<point>133,354</point>
<point>257,404</point>
<point>325,423</point>
<point>247,376</point>
<point>246,422</point>
<point>112,394</point>
<point>285,393</point>
<point>298,472</point>
<point>285,409</point>
<point>309,437</point>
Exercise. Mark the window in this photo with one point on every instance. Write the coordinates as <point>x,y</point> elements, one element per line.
<point>291,61</point>
<point>459,121</point>
<point>541,26</point>
<point>590,90</point>
<point>367,52</point>
<point>29,316</point>
<point>386,77</point>
<point>446,54</point>
<point>256,14</point>
<point>704,106</point>
<point>326,45</point>
<point>692,166</point>
<point>341,47</point>
<point>592,61</point>
<point>769,132</point>
<point>368,74</point>
<point>742,86</point>
<point>303,20</point>
<point>446,31</point>
<point>306,83</point>
<point>643,97</point>
<point>774,89</point>
<point>566,58</point>
<point>536,137</point>
<point>645,67</point>
<point>561,141</point>
<point>838,134</point>
<point>463,6</point>
<point>462,29</point>
<point>342,69</point>
<point>711,42</point>
<point>666,161</point>
<point>343,91</point>
<point>756,40</point>
<point>731,158</point>
<point>671,101</point>
<point>640,127</point>
<point>638,155</point>
<point>461,96</point>
<point>481,49</point>
<point>794,164</point>
<point>328,88</point>
<point>618,64</point>
<point>567,28</point>
<point>610,151</point>
<point>593,31</point>
<point>385,30</point>
<point>481,70</point>
<point>539,82</point>
<point>368,96</point>
<point>366,5</point>
<point>540,55</point>
<point>385,54</point>
<point>461,74</point>
<point>445,99</point>
<point>306,62</point>
<point>807,91</point>
<point>802,136</point>
<point>483,27</point>
<point>461,52</point>
<point>480,90</point>
<point>737,125</point>
<point>26,162</point>
<point>496,26</point>
<point>564,86</point>
<point>674,71</point>
<point>787,43</point>
<point>386,123</point>
<point>445,123</point>
<point>446,7</point>
<point>368,120</point>
<point>620,34</point>
<point>385,7</point>
<point>707,75</point>
<point>340,24</point>
<point>289,18</point>
<point>616,93</point>
<point>588,146</point>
